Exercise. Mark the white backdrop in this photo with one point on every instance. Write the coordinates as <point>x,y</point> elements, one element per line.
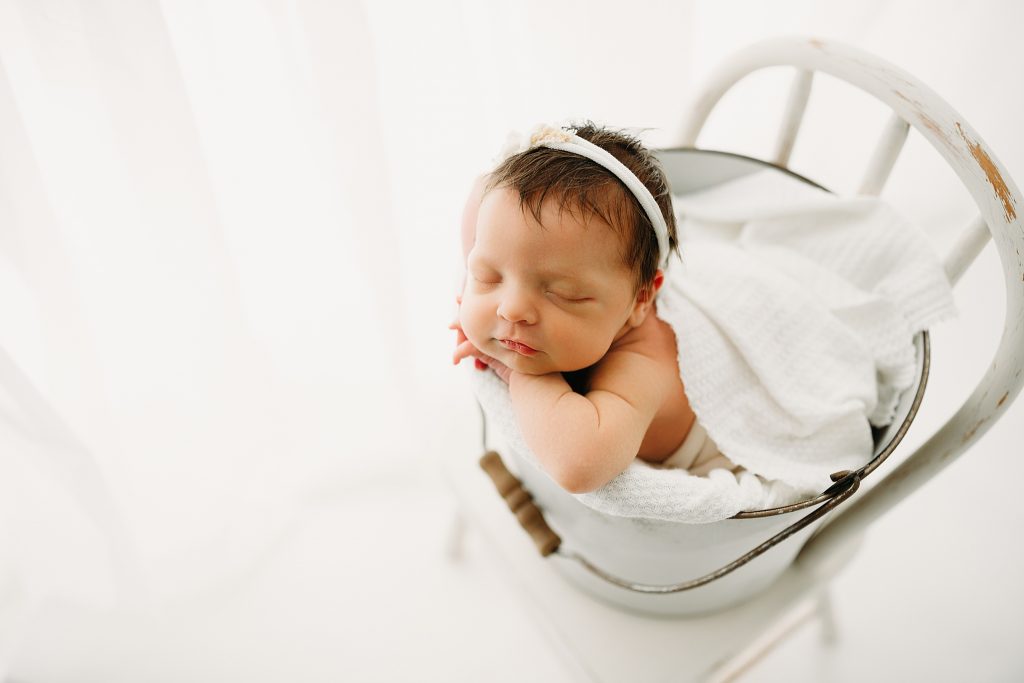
<point>228,238</point>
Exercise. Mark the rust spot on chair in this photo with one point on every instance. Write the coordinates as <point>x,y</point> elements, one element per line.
<point>928,122</point>
<point>973,430</point>
<point>995,178</point>
<point>934,127</point>
<point>941,133</point>
<point>1003,399</point>
<point>909,100</point>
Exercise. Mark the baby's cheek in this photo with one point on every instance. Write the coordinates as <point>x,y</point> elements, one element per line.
<point>582,349</point>
<point>471,318</point>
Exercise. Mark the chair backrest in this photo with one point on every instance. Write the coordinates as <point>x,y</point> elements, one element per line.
<point>996,196</point>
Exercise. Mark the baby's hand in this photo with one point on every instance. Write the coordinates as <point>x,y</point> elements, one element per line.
<point>500,369</point>
<point>465,349</point>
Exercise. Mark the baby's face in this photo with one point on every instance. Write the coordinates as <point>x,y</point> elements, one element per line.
<point>545,298</point>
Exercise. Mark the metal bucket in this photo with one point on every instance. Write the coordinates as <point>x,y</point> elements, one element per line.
<point>674,568</point>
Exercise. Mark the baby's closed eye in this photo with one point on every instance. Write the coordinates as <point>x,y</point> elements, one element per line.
<point>571,297</point>
<point>485,277</point>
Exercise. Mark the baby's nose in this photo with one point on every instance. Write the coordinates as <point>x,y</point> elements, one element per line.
<point>517,307</point>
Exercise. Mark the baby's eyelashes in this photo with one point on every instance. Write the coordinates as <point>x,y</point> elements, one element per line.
<point>572,298</point>
<point>486,278</point>
<point>482,285</point>
<point>483,280</point>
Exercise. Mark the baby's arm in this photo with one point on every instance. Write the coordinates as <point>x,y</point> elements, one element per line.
<point>584,442</point>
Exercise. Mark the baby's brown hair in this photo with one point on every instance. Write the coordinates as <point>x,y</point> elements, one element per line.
<point>580,184</point>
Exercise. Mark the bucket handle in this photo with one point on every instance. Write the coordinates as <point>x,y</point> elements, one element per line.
<point>845,484</point>
<point>520,502</point>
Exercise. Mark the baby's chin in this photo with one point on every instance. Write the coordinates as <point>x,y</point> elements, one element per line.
<point>539,366</point>
<point>536,372</point>
<point>526,365</point>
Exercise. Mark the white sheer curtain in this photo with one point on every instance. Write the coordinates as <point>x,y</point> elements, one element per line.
<point>197,252</point>
<point>228,251</point>
<point>228,244</point>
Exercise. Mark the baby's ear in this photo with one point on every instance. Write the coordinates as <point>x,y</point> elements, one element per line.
<point>647,292</point>
<point>656,283</point>
<point>645,299</point>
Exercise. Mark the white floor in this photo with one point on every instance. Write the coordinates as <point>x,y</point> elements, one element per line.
<point>359,587</point>
<point>934,595</point>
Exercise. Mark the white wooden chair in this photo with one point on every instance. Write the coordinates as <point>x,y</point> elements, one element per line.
<point>605,643</point>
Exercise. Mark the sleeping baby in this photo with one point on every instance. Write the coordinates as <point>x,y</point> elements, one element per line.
<point>566,243</point>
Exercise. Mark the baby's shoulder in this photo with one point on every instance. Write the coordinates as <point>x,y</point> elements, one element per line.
<point>644,357</point>
<point>653,339</point>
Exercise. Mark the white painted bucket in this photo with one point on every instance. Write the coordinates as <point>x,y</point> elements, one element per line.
<point>644,564</point>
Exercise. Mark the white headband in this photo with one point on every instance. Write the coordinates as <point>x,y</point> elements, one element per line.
<point>558,138</point>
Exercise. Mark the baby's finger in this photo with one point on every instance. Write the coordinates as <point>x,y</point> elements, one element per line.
<point>463,350</point>
<point>457,326</point>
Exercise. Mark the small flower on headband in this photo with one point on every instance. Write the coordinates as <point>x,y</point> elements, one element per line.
<point>540,134</point>
<point>545,133</point>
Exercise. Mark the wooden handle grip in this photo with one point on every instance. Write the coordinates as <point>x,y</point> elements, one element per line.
<point>520,502</point>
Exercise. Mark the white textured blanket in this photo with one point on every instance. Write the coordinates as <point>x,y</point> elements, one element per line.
<point>794,312</point>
